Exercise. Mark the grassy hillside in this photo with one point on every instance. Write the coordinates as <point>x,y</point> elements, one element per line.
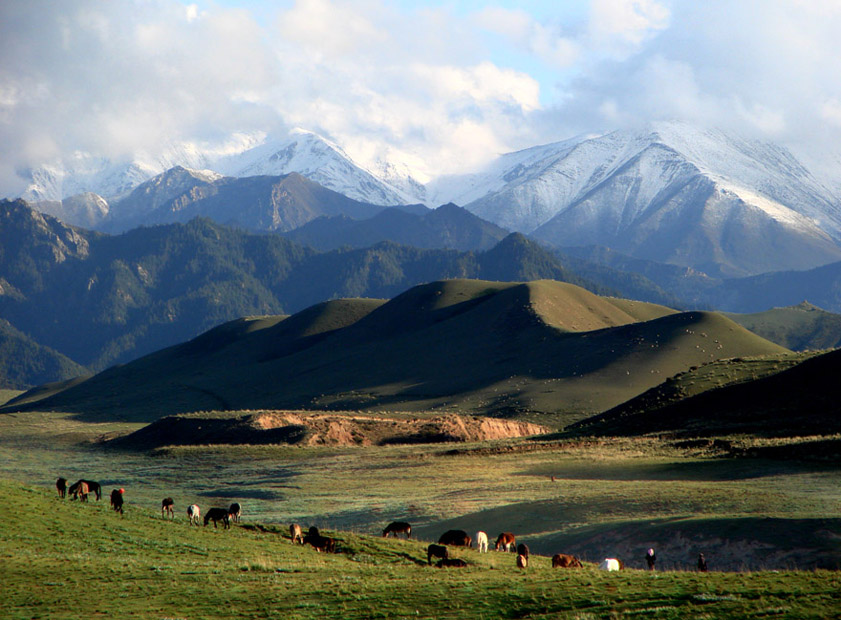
<point>611,498</point>
<point>547,351</point>
<point>799,328</point>
<point>802,400</point>
<point>695,381</point>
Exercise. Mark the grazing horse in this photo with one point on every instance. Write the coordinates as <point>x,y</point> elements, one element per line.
<point>95,488</point>
<point>79,490</point>
<point>320,543</point>
<point>523,550</point>
<point>61,487</point>
<point>611,564</point>
<point>296,533</point>
<point>482,542</point>
<point>193,514</point>
<point>217,514</point>
<point>650,559</point>
<point>436,551</point>
<point>235,512</point>
<point>702,563</point>
<point>505,540</point>
<point>168,507</point>
<point>398,527</point>
<point>456,538</point>
<point>522,561</point>
<point>562,560</point>
<point>117,500</point>
<point>451,563</point>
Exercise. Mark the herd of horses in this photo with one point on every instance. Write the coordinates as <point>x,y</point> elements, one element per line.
<point>506,541</point>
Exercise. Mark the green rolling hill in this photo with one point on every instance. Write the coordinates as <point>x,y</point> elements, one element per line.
<point>799,328</point>
<point>544,350</point>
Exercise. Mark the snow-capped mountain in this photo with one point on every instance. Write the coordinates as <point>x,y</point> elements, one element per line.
<point>304,152</point>
<point>319,160</point>
<point>671,193</point>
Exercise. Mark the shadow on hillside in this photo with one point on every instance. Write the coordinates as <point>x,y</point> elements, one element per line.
<point>702,471</point>
<point>729,543</point>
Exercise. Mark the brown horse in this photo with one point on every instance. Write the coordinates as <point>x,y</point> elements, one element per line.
<point>61,487</point>
<point>398,527</point>
<point>563,560</point>
<point>456,538</point>
<point>522,561</point>
<point>296,533</point>
<point>505,540</point>
<point>168,508</point>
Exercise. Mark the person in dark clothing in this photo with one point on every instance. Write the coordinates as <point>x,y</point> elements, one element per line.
<point>650,558</point>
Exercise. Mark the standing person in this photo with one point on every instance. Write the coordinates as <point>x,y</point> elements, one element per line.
<point>117,500</point>
<point>702,563</point>
<point>650,558</point>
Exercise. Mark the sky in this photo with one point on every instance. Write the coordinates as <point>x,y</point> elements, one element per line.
<point>441,86</point>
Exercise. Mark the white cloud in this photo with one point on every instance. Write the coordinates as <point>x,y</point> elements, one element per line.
<point>434,84</point>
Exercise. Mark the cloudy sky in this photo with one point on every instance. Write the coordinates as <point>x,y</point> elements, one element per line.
<point>443,86</point>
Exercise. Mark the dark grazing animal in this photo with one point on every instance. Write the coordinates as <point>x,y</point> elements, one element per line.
<point>117,500</point>
<point>320,543</point>
<point>296,533</point>
<point>61,487</point>
<point>168,507</point>
<point>650,558</point>
<point>702,563</point>
<point>522,561</point>
<point>235,512</point>
<point>523,549</point>
<point>193,514</point>
<point>456,538</point>
<point>505,540</point>
<point>562,560</point>
<point>398,527</point>
<point>436,551</point>
<point>451,563</point>
<point>216,515</point>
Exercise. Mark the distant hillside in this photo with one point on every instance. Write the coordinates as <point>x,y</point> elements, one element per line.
<point>803,400</point>
<point>102,299</point>
<point>799,328</point>
<point>545,350</point>
<point>448,226</point>
<point>24,363</point>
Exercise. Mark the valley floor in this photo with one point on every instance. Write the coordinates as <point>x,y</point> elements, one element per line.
<point>597,499</point>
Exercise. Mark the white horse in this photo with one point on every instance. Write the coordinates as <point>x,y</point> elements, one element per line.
<point>194,514</point>
<point>482,542</point>
<point>610,564</point>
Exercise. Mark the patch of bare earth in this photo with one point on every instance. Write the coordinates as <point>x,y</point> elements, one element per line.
<point>344,430</point>
<point>321,429</point>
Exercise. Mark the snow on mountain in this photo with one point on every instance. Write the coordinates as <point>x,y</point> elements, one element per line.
<point>319,160</point>
<point>85,210</point>
<point>626,188</point>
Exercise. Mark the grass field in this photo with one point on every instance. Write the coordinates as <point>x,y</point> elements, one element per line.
<point>83,561</point>
<point>609,497</point>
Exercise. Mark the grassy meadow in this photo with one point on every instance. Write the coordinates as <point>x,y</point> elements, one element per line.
<point>755,519</point>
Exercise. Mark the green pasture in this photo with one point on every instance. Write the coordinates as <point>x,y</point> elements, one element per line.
<point>596,498</point>
<point>65,559</point>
